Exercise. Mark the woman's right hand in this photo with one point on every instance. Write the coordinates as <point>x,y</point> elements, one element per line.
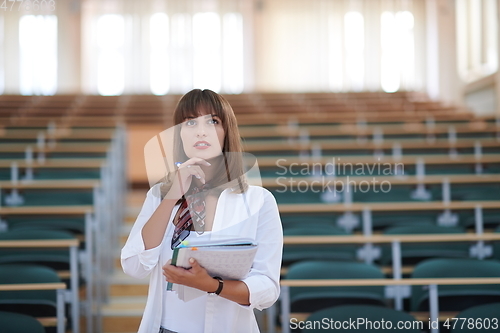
<point>184,176</point>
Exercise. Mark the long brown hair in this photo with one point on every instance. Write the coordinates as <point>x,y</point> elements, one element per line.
<point>189,107</point>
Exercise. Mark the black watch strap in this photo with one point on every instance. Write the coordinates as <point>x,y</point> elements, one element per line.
<point>221,285</point>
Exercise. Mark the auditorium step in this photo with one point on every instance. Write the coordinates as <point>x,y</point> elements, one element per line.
<point>128,295</point>
<point>124,285</point>
<point>123,314</point>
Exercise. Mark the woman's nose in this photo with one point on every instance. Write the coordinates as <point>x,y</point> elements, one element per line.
<point>201,130</point>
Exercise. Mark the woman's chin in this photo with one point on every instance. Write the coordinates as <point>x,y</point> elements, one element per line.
<point>206,155</point>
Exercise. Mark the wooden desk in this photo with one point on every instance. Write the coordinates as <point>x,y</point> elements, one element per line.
<point>433,284</point>
<point>271,182</point>
<point>422,238</point>
<point>59,287</point>
<point>334,130</point>
<point>387,282</point>
<point>341,161</point>
<point>353,144</point>
<point>59,133</point>
<point>47,210</point>
<point>72,246</point>
<point>385,207</point>
<point>51,184</point>
<point>60,147</point>
<point>57,163</point>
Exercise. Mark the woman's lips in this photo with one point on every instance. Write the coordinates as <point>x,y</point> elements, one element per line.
<point>201,145</point>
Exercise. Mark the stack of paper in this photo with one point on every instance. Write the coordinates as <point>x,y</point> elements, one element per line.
<point>231,259</point>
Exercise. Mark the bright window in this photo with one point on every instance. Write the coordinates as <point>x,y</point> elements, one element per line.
<point>159,58</point>
<point>232,60</point>
<point>336,55</point>
<point>490,28</point>
<point>477,38</point>
<point>38,54</point>
<point>181,53</point>
<point>398,55</point>
<point>354,42</point>
<point>207,51</point>
<point>110,64</point>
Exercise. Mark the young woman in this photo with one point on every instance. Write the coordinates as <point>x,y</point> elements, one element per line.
<point>206,197</point>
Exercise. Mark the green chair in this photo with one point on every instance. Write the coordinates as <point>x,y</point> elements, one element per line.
<point>274,172</point>
<point>382,220</point>
<point>370,318</point>
<point>466,192</point>
<point>37,303</point>
<point>74,225</point>
<point>294,253</point>
<point>491,168</point>
<point>449,169</point>
<point>397,193</point>
<point>5,174</point>
<point>309,299</point>
<point>56,259</point>
<point>57,173</point>
<point>496,246</point>
<point>289,197</point>
<point>298,220</point>
<point>488,315</point>
<point>456,297</point>
<point>11,322</point>
<point>66,173</point>
<point>413,253</point>
<point>53,197</point>
<point>490,220</point>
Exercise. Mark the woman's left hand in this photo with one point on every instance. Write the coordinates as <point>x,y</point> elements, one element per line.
<point>195,277</point>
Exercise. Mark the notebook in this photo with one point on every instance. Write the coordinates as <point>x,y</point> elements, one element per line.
<point>230,259</point>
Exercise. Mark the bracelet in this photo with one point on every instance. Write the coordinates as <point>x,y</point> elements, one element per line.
<point>221,285</point>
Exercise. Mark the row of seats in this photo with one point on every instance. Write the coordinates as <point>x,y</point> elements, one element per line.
<point>440,193</point>
<point>452,297</point>
<point>46,202</point>
<point>411,253</point>
<point>330,301</point>
<point>251,108</point>
<point>480,319</point>
<point>433,121</point>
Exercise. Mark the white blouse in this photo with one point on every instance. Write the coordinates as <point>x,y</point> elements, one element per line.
<point>253,214</point>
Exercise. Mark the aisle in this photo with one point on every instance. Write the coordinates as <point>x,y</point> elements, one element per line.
<point>127,295</point>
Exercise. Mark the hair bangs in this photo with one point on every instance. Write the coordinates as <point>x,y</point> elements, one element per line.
<point>197,103</point>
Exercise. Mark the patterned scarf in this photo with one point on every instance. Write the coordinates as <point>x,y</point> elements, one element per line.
<point>192,213</point>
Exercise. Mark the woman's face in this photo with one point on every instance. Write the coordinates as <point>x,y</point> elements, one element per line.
<point>203,136</point>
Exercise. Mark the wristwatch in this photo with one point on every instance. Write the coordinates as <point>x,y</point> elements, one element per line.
<point>219,289</point>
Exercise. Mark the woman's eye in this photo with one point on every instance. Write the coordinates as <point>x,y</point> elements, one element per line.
<point>190,122</point>
<point>213,121</point>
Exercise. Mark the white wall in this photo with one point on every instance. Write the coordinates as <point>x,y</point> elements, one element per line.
<point>69,50</point>
<point>443,82</point>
